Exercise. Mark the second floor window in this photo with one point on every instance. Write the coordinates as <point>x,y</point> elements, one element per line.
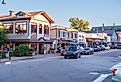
<point>59,33</point>
<point>9,27</point>
<point>40,29</point>
<point>46,29</point>
<point>71,34</point>
<point>75,35</point>
<point>68,34</point>
<point>34,28</point>
<point>21,27</point>
<point>64,34</point>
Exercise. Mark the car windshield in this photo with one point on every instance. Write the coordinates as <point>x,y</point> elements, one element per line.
<point>72,49</point>
<point>86,49</point>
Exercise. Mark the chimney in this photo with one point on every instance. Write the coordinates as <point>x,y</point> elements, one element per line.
<point>113,24</point>
<point>103,24</point>
<point>11,13</point>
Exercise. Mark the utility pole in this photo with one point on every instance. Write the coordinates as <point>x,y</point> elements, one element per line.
<point>3,2</point>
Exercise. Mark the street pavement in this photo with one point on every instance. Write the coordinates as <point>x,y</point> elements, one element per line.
<point>88,68</point>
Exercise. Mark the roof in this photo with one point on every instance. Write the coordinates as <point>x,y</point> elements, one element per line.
<point>109,32</point>
<point>25,15</point>
<point>70,29</point>
<point>113,27</point>
<point>58,27</point>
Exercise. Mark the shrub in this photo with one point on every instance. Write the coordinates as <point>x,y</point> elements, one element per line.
<point>21,50</point>
<point>2,54</point>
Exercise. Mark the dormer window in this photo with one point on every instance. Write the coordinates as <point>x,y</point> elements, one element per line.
<point>20,13</point>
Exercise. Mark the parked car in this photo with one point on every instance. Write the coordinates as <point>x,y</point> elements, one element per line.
<point>116,72</point>
<point>113,46</point>
<point>99,48</point>
<point>118,46</point>
<point>107,47</point>
<point>87,51</point>
<point>102,47</point>
<point>92,50</point>
<point>96,49</point>
<point>72,52</point>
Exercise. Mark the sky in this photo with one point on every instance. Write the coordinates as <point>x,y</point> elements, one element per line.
<point>96,12</point>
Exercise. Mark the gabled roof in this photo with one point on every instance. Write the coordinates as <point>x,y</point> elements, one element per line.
<point>71,29</point>
<point>58,27</point>
<point>26,15</point>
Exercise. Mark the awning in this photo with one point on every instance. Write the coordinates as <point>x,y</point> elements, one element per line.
<point>28,41</point>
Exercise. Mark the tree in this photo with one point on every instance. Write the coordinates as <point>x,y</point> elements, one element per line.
<point>79,24</point>
<point>3,36</point>
<point>21,50</point>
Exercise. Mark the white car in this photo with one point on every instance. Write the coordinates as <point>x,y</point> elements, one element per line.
<point>107,48</point>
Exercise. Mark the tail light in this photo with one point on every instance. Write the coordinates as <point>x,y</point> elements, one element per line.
<point>63,51</point>
<point>114,71</point>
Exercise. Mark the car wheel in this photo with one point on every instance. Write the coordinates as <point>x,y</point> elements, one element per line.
<point>76,57</point>
<point>79,55</point>
<point>65,57</point>
<point>90,53</point>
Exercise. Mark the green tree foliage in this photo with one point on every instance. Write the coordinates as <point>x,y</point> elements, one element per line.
<point>3,36</point>
<point>79,24</point>
<point>21,50</point>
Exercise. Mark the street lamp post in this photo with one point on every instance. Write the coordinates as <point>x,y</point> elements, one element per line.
<point>3,2</point>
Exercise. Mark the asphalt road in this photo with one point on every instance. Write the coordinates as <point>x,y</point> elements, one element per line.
<point>57,69</point>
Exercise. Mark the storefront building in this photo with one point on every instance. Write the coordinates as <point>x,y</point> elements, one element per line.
<point>31,28</point>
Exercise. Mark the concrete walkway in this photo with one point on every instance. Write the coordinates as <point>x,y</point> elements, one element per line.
<point>30,57</point>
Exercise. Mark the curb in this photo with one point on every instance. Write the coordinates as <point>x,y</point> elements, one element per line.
<point>29,58</point>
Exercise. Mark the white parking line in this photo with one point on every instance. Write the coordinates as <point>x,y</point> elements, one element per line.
<point>101,78</point>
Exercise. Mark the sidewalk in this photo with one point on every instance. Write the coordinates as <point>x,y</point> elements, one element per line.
<point>30,57</point>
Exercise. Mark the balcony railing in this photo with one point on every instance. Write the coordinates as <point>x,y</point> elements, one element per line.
<point>46,35</point>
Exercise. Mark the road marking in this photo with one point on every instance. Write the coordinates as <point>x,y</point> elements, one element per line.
<point>94,73</point>
<point>9,62</point>
<point>101,78</point>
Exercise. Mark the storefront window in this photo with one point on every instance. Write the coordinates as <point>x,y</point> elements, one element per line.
<point>34,46</point>
<point>9,27</point>
<point>21,27</point>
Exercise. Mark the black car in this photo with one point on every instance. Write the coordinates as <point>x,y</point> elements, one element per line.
<point>72,52</point>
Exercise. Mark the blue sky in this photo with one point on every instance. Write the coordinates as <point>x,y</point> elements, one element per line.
<point>94,11</point>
